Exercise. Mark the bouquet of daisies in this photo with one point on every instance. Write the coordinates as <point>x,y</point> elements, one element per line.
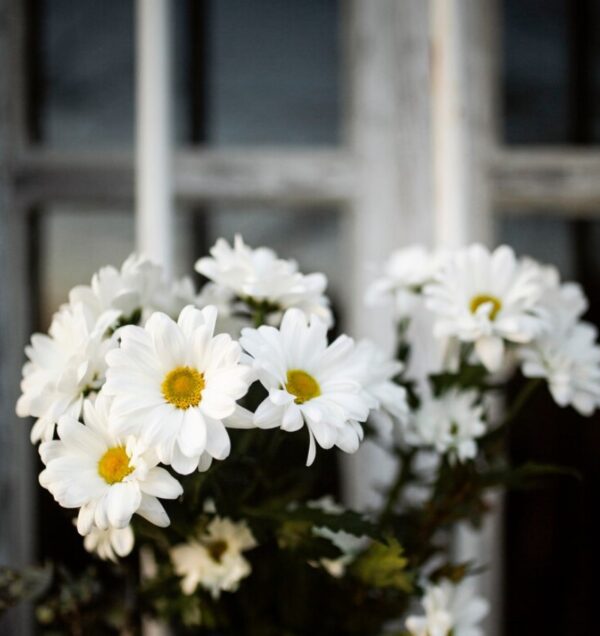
<point>189,435</point>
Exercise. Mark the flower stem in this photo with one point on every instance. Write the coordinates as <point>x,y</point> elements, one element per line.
<point>522,398</point>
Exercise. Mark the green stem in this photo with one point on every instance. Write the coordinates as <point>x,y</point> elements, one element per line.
<point>522,398</point>
<point>494,436</point>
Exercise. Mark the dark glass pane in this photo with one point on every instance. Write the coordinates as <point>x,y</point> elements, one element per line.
<point>273,72</point>
<point>545,238</point>
<point>86,69</point>
<point>536,71</point>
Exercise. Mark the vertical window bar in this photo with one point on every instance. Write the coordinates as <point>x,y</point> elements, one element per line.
<point>154,193</point>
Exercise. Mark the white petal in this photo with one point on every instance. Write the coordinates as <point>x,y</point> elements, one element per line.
<point>192,436</point>
<point>85,519</point>
<point>241,418</point>
<point>292,419</point>
<point>122,501</point>
<point>205,462</point>
<point>161,483</point>
<point>218,443</point>
<point>490,350</point>
<point>122,541</point>
<point>181,463</point>
<point>268,415</point>
<point>312,448</point>
<point>152,510</point>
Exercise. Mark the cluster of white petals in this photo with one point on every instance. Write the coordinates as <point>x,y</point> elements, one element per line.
<point>214,560</point>
<point>174,386</point>
<point>450,610</point>
<point>64,366</point>
<point>450,423</point>
<point>140,286</point>
<point>108,477</point>
<point>502,308</point>
<point>260,276</point>
<point>137,376</point>
<point>309,382</point>
<point>487,299</point>
<point>110,544</point>
<point>567,354</point>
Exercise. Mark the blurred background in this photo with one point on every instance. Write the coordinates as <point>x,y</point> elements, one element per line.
<point>333,131</point>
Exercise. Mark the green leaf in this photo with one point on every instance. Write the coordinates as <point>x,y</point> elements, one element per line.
<point>528,475</point>
<point>384,565</point>
<point>348,521</point>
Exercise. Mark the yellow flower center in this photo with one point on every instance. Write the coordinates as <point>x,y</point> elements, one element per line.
<point>482,299</point>
<point>182,387</point>
<point>114,465</point>
<point>302,385</point>
<point>216,549</point>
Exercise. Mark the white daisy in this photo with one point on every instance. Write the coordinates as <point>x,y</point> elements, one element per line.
<point>173,385</point>
<point>487,299</point>
<point>375,371</point>
<point>64,366</point>
<point>308,381</point>
<point>450,423</point>
<point>405,273</point>
<point>567,354</point>
<point>110,543</point>
<point>109,478</point>
<point>258,275</point>
<point>136,290</point>
<point>450,610</point>
<point>214,560</point>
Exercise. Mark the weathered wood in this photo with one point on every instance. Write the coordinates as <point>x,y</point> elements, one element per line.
<point>388,132</point>
<point>559,181</point>
<point>16,453</point>
<point>464,46</point>
<point>562,181</point>
<point>311,176</point>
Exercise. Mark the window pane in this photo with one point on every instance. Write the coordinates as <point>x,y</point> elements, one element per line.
<point>76,242</point>
<point>86,69</point>
<point>536,73</point>
<point>273,72</point>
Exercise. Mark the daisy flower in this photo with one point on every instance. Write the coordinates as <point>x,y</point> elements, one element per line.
<point>136,290</point>
<point>259,276</point>
<point>174,384</point>
<point>450,610</point>
<point>214,560</point>
<point>487,298</point>
<point>64,366</point>
<point>110,543</point>
<point>405,273</point>
<point>450,423</point>
<point>309,382</point>
<point>375,371</point>
<point>567,354</point>
<point>109,478</point>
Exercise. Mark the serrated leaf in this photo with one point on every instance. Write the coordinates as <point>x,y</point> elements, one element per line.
<point>384,565</point>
